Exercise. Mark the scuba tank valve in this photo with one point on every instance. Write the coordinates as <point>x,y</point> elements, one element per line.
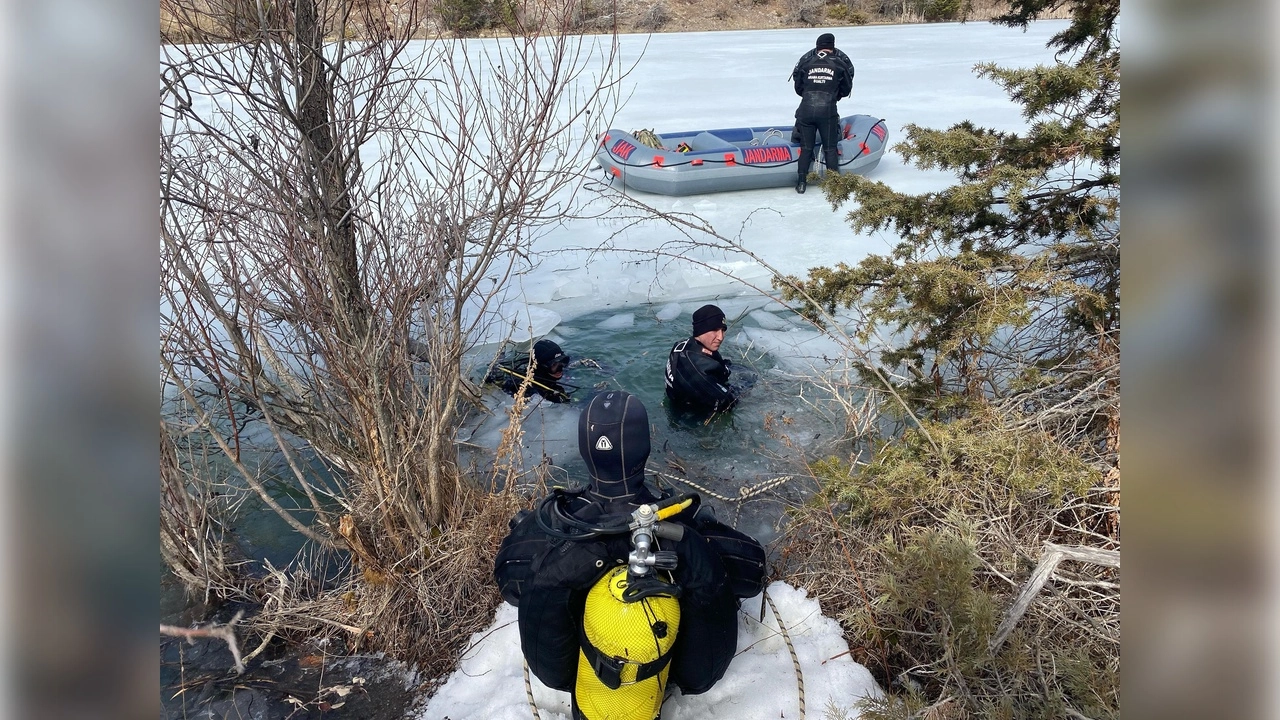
<point>644,527</point>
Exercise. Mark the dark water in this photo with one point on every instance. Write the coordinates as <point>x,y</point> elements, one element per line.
<point>766,437</point>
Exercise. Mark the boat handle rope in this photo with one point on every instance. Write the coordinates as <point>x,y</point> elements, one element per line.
<point>709,161</point>
<point>757,166</point>
<point>864,141</point>
<point>771,132</point>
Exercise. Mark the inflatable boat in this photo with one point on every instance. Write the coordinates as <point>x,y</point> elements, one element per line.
<point>708,161</point>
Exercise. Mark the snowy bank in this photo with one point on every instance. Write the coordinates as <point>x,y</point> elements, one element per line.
<point>759,685</point>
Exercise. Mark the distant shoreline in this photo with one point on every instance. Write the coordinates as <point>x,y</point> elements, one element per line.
<point>658,18</point>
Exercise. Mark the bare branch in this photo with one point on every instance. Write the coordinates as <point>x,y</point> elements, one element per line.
<point>226,633</point>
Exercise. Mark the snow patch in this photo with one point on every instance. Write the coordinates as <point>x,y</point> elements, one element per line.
<point>759,685</point>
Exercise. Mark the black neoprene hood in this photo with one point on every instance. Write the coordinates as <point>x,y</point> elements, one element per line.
<point>548,354</point>
<point>613,438</point>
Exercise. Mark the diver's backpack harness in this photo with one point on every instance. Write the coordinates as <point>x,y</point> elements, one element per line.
<point>631,617</point>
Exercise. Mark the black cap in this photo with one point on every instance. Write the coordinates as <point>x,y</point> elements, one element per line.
<point>613,438</point>
<point>708,318</point>
<point>826,40</point>
<point>549,355</point>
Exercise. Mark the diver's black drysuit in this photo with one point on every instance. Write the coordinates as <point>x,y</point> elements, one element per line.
<point>548,577</point>
<point>696,380</point>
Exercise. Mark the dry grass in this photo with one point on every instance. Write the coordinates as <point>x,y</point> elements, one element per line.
<point>376,609</point>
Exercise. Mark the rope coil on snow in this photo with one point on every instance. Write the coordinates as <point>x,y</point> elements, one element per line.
<point>795,661</point>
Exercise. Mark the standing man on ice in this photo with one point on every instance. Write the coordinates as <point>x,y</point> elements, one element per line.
<point>821,77</point>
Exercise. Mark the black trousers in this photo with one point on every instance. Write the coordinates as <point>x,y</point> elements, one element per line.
<point>826,124</point>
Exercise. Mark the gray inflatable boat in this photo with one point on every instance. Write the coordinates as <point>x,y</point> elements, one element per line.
<point>708,161</point>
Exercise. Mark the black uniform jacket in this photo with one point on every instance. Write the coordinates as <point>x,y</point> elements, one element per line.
<point>823,79</point>
<point>695,379</point>
<point>809,56</point>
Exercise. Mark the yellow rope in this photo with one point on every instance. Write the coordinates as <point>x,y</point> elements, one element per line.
<point>744,493</point>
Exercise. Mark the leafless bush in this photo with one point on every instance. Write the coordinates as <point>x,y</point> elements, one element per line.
<point>594,15</point>
<point>192,528</point>
<point>808,13</point>
<point>337,221</point>
<point>654,17</point>
<point>424,618</point>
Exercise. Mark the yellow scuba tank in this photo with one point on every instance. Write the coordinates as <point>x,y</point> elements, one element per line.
<point>626,651</point>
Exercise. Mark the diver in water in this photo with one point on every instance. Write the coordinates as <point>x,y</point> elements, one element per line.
<point>548,576</point>
<point>549,363</point>
<point>697,376</point>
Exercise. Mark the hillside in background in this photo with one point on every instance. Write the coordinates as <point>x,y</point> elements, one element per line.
<point>220,18</point>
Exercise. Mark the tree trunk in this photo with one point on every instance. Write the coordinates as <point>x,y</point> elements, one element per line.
<point>330,203</point>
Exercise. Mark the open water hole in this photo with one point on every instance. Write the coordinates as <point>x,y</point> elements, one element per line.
<point>739,461</point>
<point>782,420</point>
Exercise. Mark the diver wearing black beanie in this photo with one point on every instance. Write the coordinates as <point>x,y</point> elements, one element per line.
<point>697,376</point>
<point>826,41</point>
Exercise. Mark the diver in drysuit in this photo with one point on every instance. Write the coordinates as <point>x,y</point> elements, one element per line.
<point>548,577</point>
<point>696,374</point>
<point>549,363</point>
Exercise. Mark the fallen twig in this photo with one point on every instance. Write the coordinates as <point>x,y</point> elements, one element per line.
<point>224,632</point>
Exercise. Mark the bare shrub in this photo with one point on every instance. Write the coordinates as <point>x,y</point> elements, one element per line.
<point>425,618</point>
<point>653,18</point>
<point>593,15</point>
<point>323,296</point>
<point>466,17</point>
<point>808,13</point>
<point>193,530</point>
<point>841,13</point>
